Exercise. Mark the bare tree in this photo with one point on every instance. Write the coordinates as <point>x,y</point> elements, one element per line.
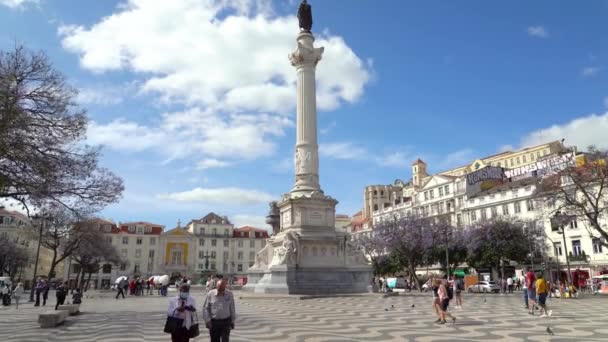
<point>42,157</point>
<point>581,189</point>
<point>92,251</point>
<point>13,257</point>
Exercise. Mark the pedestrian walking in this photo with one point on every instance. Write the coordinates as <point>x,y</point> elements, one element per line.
<point>77,297</point>
<point>444,295</point>
<point>458,288</point>
<point>542,292</point>
<point>4,294</point>
<point>181,320</point>
<point>434,283</point>
<point>531,286</point>
<point>219,312</point>
<point>510,284</point>
<point>121,288</point>
<point>18,292</point>
<point>39,288</point>
<point>61,291</point>
<point>45,292</point>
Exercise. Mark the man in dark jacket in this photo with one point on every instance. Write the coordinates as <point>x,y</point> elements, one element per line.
<point>61,292</point>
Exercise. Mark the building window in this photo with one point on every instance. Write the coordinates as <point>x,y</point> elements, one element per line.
<point>201,266</point>
<point>458,219</point>
<point>226,243</point>
<point>214,242</point>
<point>558,249</point>
<point>226,232</point>
<point>446,189</point>
<point>131,229</point>
<point>123,266</point>
<point>432,193</point>
<point>375,207</point>
<point>530,205</point>
<point>440,192</point>
<point>518,161</point>
<point>140,230</point>
<point>138,253</point>
<point>252,244</point>
<point>597,246</point>
<point>493,212</point>
<point>150,267</point>
<point>573,224</point>
<point>201,254</point>
<point>148,229</point>
<point>251,255</point>
<point>240,243</point>
<point>201,242</point>
<point>576,247</point>
<point>152,241</point>
<point>124,253</point>
<point>213,266</point>
<point>426,195</point>
<point>240,256</point>
<point>139,240</point>
<point>225,255</point>
<point>107,268</point>
<point>484,214</point>
<point>473,215</point>
<point>382,193</point>
<point>75,268</point>
<point>125,240</point>
<point>202,231</point>
<point>213,255</point>
<point>517,207</point>
<point>505,209</point>
<point>109,239</point>
<point>151,254</point>
<point>375,192</point>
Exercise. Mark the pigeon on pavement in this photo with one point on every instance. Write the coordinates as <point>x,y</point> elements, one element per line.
<point>549,331</point>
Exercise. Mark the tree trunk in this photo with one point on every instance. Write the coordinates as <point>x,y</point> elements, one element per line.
<point>82,280</point>
<point>88,281</point>
<point>413,273</point>
<point>53,264</point>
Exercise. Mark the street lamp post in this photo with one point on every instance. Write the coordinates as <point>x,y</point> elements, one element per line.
<point>559,222</point>
<point>36,219</point>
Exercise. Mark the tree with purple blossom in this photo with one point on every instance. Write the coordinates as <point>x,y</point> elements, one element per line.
<point>492,243</point>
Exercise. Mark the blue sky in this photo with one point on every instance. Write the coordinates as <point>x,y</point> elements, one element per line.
<point>193,100</point>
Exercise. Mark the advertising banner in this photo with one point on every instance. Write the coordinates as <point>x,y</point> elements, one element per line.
<point>484,179</point>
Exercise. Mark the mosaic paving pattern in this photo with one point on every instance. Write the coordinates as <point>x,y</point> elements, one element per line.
<point>366,318</point>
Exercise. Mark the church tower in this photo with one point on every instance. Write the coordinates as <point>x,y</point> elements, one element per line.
<point>418,172</point>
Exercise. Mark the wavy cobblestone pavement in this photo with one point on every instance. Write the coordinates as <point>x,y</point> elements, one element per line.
<point>364,318</point>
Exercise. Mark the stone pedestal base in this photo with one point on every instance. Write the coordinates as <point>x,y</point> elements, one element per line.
<point>285,279</point>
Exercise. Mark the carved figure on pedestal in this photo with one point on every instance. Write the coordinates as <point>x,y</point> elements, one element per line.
<point>261,259</point>
<point>273,217</point>
<point>354,254</point>
<point>305,16</point>
<point>287,253</point>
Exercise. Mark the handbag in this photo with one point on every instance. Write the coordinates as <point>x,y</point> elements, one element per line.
<point>194,329</point>
<point>173,324</point>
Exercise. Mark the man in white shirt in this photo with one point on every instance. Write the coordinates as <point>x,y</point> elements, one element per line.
<point>510,284</point>
<point>219,312</point>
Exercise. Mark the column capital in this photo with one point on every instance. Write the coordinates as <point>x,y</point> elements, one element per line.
<point>305,53</point>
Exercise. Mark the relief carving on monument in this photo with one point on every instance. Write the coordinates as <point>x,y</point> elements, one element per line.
<point>287,253</point>
<point>261,258</point>
<point>354,254</point>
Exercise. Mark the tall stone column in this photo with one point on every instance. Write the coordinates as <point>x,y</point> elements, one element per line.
<point>305,59</point>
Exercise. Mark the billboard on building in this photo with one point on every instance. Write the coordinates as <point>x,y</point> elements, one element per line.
<point>484,179</point>
<point>542,167</point>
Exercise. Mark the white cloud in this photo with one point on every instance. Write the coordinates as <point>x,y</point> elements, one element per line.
<point>505,148</point>
<point>223,196</point>
<point>342,150</point>
<point>590,71</point>
<point>194,132</point>
<point>104,95</point>
<point>18,3</point>
<point>582,132</point>
<point>538,31</point>
<point>328,128</point>
<point>250,220</point>
<point>458,158</point>
<point>210,163</point>
<point>213,56</point>
<point>396,159</point>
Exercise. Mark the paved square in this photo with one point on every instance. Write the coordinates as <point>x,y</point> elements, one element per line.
<point>365,318</point>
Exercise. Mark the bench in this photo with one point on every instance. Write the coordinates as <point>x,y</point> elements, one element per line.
<point>72,309</point>
<point>51,319</point>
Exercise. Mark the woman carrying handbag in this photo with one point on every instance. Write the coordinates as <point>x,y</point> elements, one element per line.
<point>182,321</point>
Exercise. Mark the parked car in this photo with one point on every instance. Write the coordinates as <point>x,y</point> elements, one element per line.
<point>484,286</point>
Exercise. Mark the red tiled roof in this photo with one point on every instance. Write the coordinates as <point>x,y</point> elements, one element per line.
<point>244,232</point>
<point>124,228</point>
<point>418,161</point>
